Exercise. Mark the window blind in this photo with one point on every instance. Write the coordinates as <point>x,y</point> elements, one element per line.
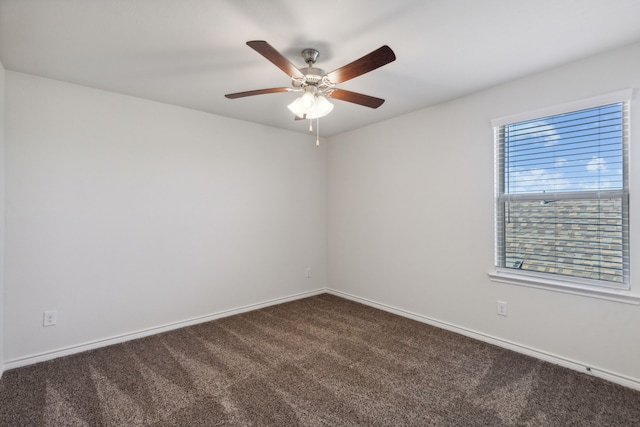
<point>562,195</point>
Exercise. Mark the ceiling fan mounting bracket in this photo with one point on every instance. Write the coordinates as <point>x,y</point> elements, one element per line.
<point>310,56</point>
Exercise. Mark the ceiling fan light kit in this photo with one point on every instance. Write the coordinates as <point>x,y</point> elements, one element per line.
<point>316,84</point>
<point>310,105</point>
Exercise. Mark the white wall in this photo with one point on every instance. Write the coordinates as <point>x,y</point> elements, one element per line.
<point>124,215</point>
<point>2,76</point>
<point>411,221</point>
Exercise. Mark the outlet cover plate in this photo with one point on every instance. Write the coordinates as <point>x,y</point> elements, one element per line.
<point>501,308</point>
<point>50,318</point>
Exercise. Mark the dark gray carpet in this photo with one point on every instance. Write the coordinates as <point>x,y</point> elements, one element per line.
<point>320,361</point>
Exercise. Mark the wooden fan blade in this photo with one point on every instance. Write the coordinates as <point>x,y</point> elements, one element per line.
<point>357,98</point>
<point>370,62</point>
<point>256,92</point>
<point>266,50</point>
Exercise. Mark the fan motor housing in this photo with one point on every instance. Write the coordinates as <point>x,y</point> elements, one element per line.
<point>312,76</point>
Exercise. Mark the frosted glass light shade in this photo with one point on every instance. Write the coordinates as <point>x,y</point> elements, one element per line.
<point>322,108</point>
<point>310,106</point>
<point>297,108</point>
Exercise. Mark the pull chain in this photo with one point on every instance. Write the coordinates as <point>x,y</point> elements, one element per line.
<point>317,132</point>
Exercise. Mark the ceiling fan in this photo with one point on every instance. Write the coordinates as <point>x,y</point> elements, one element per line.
<point>315,84</point>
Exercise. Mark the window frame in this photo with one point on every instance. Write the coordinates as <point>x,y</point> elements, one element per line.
<point>550,281</point>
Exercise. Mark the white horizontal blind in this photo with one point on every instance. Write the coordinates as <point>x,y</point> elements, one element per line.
<point>562,195</point>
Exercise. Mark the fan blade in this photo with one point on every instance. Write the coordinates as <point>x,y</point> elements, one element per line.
<point>370,62</point>
<point>266,50</point>
<point>257,92</point>
<point>357,98</point>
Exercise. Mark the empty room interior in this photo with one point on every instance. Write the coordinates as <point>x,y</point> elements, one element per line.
<point>156,177</point>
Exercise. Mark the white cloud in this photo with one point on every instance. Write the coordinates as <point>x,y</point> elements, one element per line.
<point>560,162</point>
<point>547,132</point>
<point>544,132</point>
<point>538,181</point>
<point>605,184</point>
<point>597,164</point>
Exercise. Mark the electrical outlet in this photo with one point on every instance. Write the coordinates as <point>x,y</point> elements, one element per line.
<point>501,308</point>
<point>308,272</point>
<point>50,318</point>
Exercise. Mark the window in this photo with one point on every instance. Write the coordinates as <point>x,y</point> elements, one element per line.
<point>562,197</point>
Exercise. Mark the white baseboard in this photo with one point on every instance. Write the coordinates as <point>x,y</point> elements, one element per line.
<point>558,360</point>
<point>519,348</point>
<point>54,354</point>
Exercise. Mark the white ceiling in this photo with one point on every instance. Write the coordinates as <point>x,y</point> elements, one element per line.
<point>191,52</point>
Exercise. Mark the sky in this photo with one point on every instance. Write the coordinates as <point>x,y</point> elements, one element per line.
<point>577,151</point>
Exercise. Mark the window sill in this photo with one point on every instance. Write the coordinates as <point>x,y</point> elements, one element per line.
<point>625,297</point>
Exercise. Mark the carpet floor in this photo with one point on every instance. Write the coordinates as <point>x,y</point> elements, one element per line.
<point>318,361</point>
